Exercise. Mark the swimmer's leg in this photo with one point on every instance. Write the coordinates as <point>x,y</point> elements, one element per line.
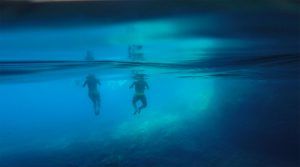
<point>144,103</point>
<point>94,101</point>
<point>134,100</point>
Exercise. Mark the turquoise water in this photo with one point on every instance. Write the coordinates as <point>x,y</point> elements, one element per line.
<point>224,84</point>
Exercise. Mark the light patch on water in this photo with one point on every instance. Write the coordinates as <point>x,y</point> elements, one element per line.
<point>199,96</point>
<point>162,40</point>
<point>114,84</point>
<point>146,125</point>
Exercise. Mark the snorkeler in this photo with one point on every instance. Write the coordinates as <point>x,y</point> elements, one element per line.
<point>140,85</point>
<point>92,82</point>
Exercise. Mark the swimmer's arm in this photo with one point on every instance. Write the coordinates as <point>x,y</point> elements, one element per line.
<point>132,85</point>
<point>84,84</point>
<point>147,86</point>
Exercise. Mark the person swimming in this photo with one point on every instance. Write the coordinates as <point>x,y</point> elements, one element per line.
<point>140,85</point>
<point>92,83</point>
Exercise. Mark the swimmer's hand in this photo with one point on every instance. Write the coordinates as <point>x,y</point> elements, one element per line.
<point>131,85</point>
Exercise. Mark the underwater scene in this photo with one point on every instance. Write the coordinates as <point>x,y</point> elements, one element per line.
<point>149,83</point>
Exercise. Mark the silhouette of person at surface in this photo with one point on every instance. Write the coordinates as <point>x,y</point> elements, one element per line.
<point>140,85</point>
<point>92,83</point>
<point>89,56</point>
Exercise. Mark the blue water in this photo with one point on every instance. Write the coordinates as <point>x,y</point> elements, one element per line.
<point>224,84</point>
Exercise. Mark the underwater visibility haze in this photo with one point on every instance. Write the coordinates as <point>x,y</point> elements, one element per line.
<point>149,83</point>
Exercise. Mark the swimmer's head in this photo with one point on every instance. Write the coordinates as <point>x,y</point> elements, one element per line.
<point>90,76</point>
<point>139,77</point>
